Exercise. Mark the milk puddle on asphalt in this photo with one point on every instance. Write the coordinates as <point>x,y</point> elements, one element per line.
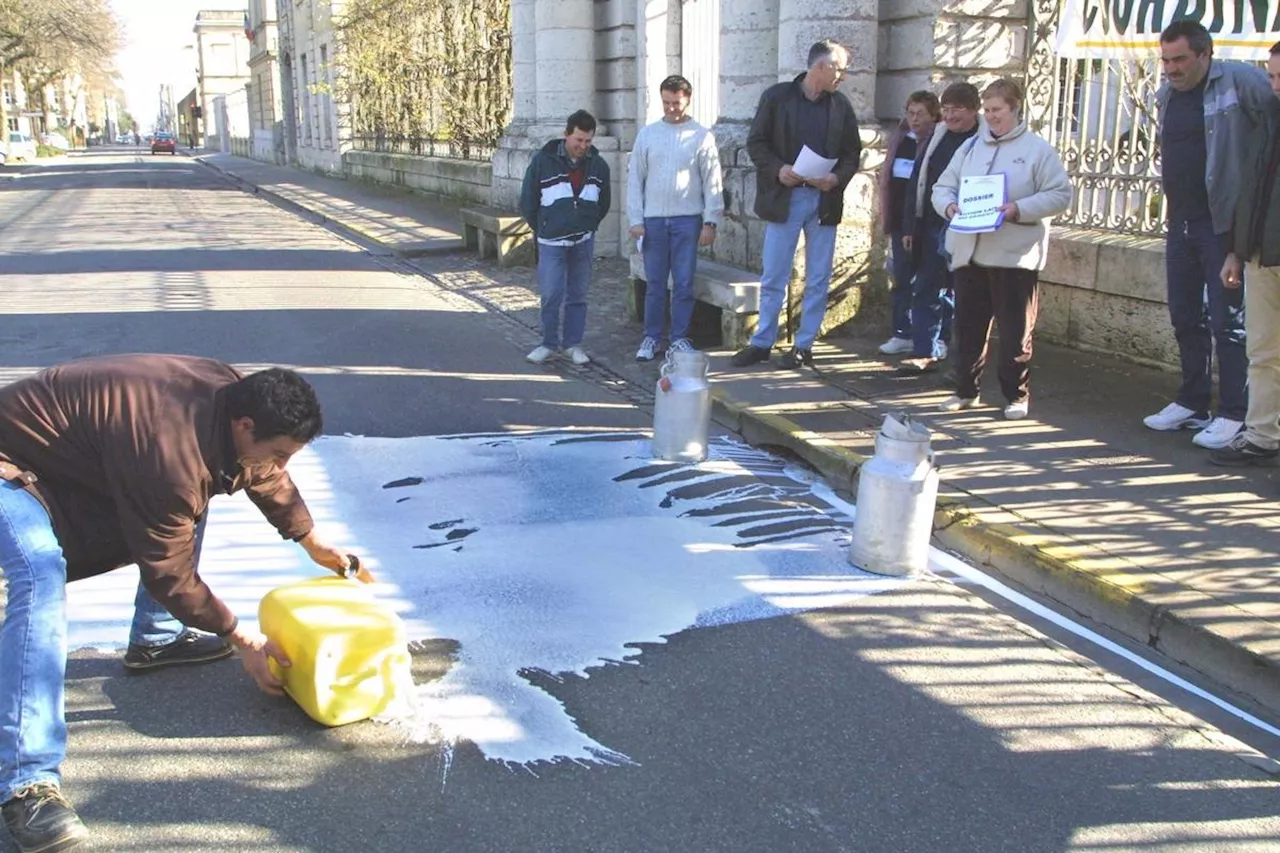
<point>550,552</point>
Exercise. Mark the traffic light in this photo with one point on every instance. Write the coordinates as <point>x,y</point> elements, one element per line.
<point>197,111</point>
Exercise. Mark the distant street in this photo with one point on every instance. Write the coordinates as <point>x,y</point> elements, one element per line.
<point>914,717</point>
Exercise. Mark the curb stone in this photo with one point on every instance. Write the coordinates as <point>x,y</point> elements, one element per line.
<point>1095,585</point>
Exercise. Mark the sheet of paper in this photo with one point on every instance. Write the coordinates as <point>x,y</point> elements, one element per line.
<point>810,166</point>
<point>902,167</point>
<point>981,197</point>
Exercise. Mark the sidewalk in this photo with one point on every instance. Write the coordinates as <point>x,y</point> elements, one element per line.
<point>394,219</point>
<point>1130,527</point>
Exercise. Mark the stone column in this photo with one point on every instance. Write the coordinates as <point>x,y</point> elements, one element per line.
<point>658,52</point>
<point>566,61</point>
<point>524,62</point>
<point>853,23</point>
<point>748,66</point>
<point>748,62</point>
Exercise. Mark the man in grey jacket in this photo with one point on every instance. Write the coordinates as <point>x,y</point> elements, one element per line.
<point>1208,111</point>
<point>1257,243</point>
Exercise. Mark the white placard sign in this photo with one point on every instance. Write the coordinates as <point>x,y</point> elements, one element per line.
<point>980,200</point>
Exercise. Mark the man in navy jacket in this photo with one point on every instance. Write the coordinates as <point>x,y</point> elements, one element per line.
<point>564,198</point>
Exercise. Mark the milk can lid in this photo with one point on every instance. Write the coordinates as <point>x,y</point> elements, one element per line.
<point>900,426</point>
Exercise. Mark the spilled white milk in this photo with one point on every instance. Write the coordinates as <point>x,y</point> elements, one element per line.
<point>545,551</point>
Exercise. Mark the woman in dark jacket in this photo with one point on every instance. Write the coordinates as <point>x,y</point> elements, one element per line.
<point>923,112</point>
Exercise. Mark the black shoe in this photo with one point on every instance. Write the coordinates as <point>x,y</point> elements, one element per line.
<point>189,648</point>
<point>796,357</point>
<point>1242,452</point>
<point>42,821</point>
<point>748,356</point>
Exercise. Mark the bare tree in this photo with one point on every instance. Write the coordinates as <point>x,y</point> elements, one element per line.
<point>44,40</point>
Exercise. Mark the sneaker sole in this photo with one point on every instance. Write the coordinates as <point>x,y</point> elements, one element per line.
<point>73,839</point>
<point>161,664</point>
<point>1181,425</point>
<point>1245,462</point>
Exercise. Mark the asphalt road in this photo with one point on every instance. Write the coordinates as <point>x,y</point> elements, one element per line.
<point>925,718</point>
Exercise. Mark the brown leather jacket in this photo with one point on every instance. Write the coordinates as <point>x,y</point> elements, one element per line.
<point>127,451</point>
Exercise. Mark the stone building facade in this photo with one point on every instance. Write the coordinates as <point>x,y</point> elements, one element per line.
<point>313,119</point>
<point>222,54</point>
<point>608,56</point>
<point>266,113</point>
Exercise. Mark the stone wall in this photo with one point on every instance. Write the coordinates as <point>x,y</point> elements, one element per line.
<point>925,44</point>
<point>463,181</point>
<point>1106,292</point>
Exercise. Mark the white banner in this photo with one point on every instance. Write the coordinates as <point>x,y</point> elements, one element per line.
<point>1103,29</point>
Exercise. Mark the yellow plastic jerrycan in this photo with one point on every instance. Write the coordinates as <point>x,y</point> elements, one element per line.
<point>349,653</point>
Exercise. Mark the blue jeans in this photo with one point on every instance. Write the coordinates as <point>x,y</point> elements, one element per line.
<point>33,643</point>
<point>1204,312</point>
<point>780,240</point>
<point>564,272</point>
<point>904,272</point>
<point>933,298</point>
<point>670,249</point>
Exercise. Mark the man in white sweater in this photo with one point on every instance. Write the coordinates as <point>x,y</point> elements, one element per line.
<point>675,200</point>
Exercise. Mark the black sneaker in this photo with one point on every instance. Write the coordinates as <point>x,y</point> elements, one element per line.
<point>796,357</point>
<point>190,647</point>
<point>42,821</point>
<point>1242,452</point>
<point>748,356</point>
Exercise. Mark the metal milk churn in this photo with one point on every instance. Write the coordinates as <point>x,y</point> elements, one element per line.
<point>682,408</point>
<point>897,494</point>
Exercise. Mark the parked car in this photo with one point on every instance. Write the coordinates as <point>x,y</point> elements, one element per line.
<point>20,147</point>
<point>164,142</point>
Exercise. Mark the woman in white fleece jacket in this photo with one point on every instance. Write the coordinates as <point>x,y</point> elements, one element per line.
<point>996,272</point>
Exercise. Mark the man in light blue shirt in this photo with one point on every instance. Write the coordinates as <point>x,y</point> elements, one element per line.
<point>675,201</point>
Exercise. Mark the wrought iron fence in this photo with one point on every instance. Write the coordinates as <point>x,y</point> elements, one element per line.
<point>1101,116</point>
<point>458,149</point>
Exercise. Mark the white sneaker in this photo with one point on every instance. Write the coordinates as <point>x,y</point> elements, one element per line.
<point>681,345</point>
<point>579,355</point>
<point>896,346</point>
<point>955,403</point>
<point>648,348</point>
<point>1175,416</point>
<point>540,355</point>
<point>1017,411</point>
<point>1218,433</point>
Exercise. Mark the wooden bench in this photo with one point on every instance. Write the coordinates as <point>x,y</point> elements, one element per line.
<point>497,234</point>
<point>732,295</point>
